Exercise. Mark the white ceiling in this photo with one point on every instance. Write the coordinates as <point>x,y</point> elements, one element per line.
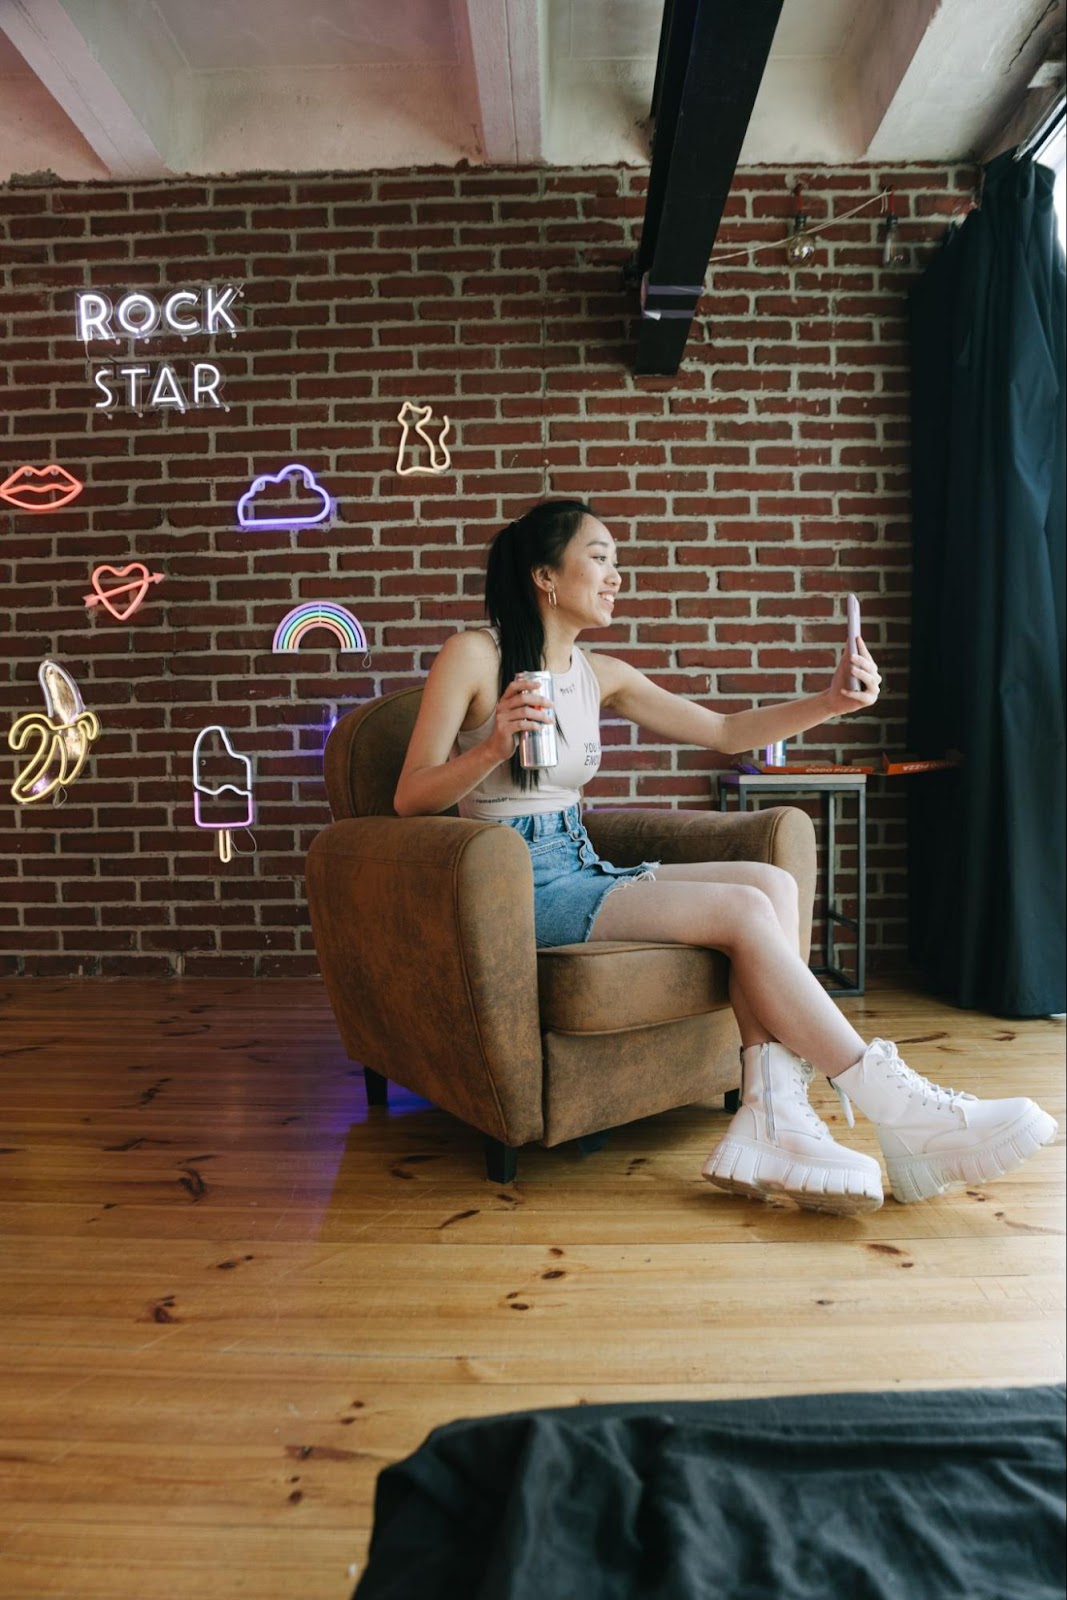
<point>129,88</point>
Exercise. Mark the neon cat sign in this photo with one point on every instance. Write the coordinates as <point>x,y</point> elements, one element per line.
<point>155,386</point>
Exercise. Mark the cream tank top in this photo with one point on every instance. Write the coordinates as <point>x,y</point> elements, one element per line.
<point>577,697</point>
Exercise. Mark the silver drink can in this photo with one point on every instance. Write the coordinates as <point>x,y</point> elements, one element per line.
<point>538,747</point>
<point>774,754</point>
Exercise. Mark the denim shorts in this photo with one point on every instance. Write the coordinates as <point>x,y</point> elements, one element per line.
<point>570,880</point>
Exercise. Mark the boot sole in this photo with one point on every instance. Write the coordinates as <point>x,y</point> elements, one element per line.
<point>757,1184</point>
<point>914,1178</point>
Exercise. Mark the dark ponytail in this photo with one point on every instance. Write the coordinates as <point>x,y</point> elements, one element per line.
<point>537,539</point>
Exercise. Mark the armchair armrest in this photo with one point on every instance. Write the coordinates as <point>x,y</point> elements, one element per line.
<point>784,836</point>
<point>425,936</point>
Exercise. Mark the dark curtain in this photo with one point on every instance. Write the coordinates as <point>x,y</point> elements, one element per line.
<point>987,843</point>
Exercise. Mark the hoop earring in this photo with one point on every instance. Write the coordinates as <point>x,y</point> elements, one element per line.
<point>552,597</point>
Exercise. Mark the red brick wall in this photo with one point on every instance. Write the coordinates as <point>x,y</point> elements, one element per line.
<point>747,495</point>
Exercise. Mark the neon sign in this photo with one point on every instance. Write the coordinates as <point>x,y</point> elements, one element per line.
<point>40,488</point>
<point>240,814</point>
<point>138,588</point>
<point>64,734</point>
<point>293,627</point>
<point>140,315</point>
<point>93,312</point>
<point>413,418</point>
<point>309,501</point>
<point>164,392</point>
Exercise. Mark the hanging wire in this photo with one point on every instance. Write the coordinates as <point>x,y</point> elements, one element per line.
<point>776,244</point>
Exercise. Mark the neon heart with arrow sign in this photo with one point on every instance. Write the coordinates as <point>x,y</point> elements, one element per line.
<point>138,588</point>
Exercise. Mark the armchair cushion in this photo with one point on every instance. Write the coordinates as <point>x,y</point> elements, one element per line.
<point>600,987</point>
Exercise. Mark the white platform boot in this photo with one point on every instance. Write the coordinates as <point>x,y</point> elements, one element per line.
<point>777,1146</point>
<point>935,1139</point>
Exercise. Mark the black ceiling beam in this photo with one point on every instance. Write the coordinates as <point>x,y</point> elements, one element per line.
<point>711,61</point>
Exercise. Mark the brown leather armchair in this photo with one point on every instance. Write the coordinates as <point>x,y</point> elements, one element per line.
<point>425,935</point>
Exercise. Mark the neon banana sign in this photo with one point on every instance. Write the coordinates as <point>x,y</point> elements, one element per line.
<point>64,735</point>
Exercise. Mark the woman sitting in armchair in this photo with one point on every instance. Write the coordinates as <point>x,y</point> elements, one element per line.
<point>552,574</point>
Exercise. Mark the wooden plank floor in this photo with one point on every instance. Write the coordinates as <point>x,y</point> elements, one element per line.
<point>231,1296</point>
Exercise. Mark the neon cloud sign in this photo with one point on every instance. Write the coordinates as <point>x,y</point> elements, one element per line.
<point>64,734</point>
<point>139,315</point>
<point>302,486</point>
<point>138,588</point>
<point>299,622</point>
<point>40,488</point>
<point>239,813</point>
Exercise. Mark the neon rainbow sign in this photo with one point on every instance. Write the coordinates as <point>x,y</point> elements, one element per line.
<point>299,622</point>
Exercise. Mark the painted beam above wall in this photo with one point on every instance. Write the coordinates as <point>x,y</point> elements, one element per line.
<point>506,39</point>
<point>71,67</point>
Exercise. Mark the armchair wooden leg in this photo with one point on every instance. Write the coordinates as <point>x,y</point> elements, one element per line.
<point>590,1142</point>
<point>377,1087</point>
<point>732,1100</point>
<point>501,1161</point>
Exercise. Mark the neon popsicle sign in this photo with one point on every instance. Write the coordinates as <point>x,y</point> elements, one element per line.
<point>139,315</point>
<point>242,814</point>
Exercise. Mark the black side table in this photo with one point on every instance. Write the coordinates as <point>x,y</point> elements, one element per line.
<point>829,785</point>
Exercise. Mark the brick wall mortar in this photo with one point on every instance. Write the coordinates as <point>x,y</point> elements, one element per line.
<point>748,494</point>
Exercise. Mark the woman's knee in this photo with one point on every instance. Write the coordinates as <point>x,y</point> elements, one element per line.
<point>742,912</point>
<point>780,887</point>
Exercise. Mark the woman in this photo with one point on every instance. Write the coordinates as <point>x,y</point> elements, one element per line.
<point>552,574</point>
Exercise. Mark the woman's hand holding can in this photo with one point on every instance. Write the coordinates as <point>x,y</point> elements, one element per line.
<point>519,709</point>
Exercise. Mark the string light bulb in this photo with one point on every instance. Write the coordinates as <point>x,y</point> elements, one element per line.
<point>800,246</point>
<point>893,252</point>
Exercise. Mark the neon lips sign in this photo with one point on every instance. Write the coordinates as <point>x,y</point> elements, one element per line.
<point>156,386</point>
<point>40,488</point>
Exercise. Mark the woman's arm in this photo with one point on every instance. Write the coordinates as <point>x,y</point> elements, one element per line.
<point>629,693</point>
<point>429,781</point>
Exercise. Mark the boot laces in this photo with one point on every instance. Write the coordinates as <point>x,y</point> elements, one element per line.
<point>801,1080</point>
<point>913,1081</point>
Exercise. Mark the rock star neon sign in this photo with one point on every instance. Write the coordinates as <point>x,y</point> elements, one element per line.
<point>155,386</point>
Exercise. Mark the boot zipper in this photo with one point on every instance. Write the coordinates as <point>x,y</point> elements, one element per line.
<point>768,1097</point>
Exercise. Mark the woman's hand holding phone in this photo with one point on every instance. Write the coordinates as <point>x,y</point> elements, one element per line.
<point>853,611</point>
<point>857,680</point>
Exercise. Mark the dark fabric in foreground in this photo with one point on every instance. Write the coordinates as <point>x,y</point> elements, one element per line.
<point>934,1495</point>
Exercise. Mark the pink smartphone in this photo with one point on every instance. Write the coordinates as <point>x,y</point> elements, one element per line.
<point>853,634</point>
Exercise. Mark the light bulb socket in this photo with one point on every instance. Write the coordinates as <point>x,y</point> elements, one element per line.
<point>893,252</point>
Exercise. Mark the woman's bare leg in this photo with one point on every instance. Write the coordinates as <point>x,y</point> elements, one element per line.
<point>780,887</point>
<point>777,984</point>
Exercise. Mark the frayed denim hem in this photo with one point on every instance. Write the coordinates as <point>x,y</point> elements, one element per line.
<point>646,875</point>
